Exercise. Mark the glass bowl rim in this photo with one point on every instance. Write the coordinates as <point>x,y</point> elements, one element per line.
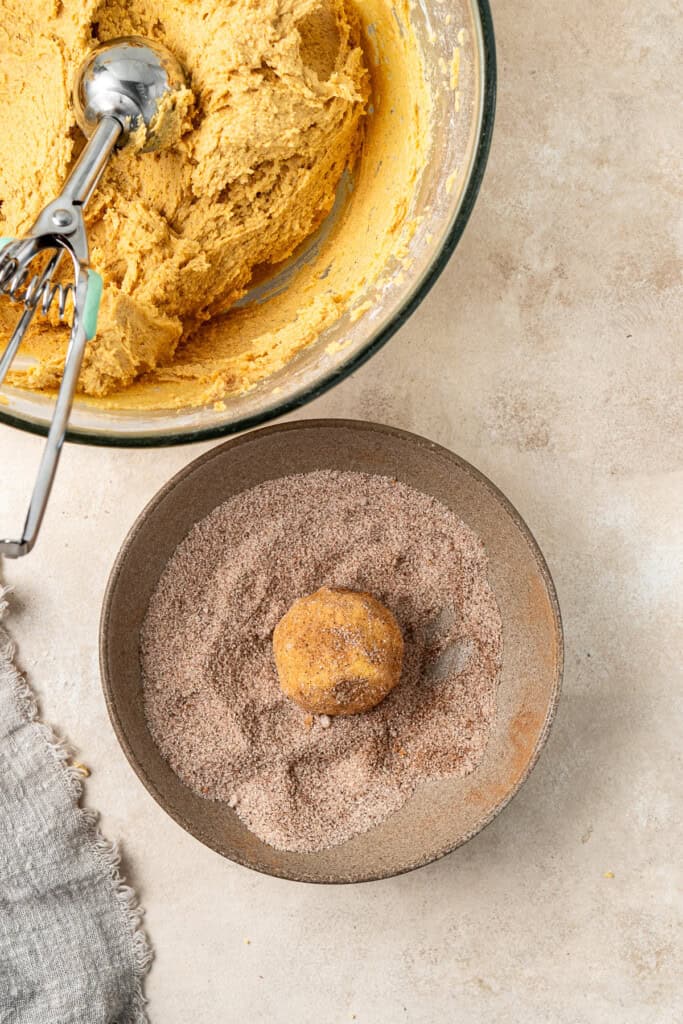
<point>376,342</point>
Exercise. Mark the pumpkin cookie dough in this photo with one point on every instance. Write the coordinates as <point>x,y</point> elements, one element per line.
<point>338,652</point>
<point>282,92</point>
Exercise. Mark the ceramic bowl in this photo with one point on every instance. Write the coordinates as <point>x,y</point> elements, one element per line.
<point>441,815</point>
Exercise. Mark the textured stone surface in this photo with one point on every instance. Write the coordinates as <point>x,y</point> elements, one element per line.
<point>550,356</point>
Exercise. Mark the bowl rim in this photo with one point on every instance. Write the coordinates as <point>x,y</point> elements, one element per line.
<point>352,424</point>
<point>334,376</point>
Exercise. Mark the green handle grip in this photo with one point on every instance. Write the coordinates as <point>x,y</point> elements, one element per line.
<point>92,304</point>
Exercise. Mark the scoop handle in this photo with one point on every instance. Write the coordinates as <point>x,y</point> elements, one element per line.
<point>61,225</point>
<point>88,291</point>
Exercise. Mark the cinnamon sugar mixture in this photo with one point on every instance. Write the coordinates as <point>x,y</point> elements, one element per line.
<point>212,698</point>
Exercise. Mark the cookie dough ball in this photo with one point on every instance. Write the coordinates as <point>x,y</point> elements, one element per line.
<point>338,652</point>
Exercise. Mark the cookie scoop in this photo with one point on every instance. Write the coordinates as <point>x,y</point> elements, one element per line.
<point>128,92</point>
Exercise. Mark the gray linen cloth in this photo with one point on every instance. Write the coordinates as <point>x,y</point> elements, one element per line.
<point>71,947</point>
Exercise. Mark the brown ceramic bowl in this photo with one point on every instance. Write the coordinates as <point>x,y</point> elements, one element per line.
<point>442,815</point>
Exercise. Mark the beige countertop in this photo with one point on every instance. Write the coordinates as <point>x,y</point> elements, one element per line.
<point>549,355</point>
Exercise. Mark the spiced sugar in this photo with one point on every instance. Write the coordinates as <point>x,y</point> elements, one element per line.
<point>212,698</point>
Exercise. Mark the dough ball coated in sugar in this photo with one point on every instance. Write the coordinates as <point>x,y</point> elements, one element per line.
<point>338,652</point>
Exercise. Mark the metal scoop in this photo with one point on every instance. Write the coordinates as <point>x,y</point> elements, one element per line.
<point>118,90</point>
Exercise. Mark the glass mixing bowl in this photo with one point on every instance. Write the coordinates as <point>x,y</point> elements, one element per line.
<point>462,120</point>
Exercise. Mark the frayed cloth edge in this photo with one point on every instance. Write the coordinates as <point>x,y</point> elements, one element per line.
<point>105,852</point>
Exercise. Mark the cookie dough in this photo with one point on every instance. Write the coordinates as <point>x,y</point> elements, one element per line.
<point>338,652</point>
<point>287,93</point>
<point>280,90</point>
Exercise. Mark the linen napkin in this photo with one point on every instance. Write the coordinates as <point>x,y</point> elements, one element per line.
<point>71,947</point>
